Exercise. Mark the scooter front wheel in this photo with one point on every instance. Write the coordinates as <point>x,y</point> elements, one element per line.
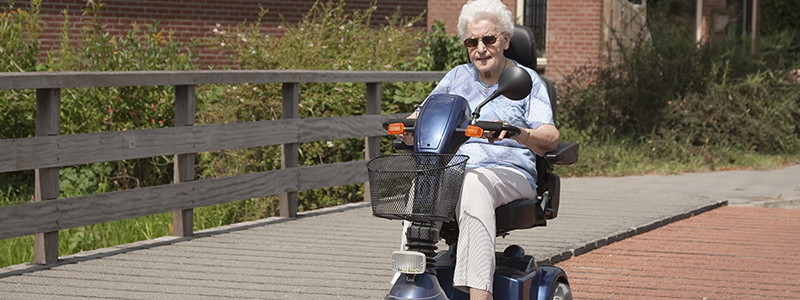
<point>561,291</point>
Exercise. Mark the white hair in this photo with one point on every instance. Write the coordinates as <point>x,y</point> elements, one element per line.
<point>491,10</point>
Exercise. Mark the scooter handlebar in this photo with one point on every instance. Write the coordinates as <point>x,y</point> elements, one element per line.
<point>495,126</point>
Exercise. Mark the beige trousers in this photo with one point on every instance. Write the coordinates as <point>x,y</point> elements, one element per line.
<point>484,190</point>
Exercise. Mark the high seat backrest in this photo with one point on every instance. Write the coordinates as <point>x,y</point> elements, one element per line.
<point>522,48</point>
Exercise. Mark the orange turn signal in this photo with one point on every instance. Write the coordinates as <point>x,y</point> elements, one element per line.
<point>473,131</point>
<point>396,128</point>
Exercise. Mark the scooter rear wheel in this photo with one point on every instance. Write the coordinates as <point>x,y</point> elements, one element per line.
<point>561,291</point>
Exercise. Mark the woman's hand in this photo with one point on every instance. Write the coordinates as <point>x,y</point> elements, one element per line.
<point>490,134</point>
<point>407,138</point>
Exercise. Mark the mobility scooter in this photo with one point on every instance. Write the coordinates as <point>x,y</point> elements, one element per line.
<point>423,188</point>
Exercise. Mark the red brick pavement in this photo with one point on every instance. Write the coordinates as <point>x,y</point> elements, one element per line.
<point>727,253</point>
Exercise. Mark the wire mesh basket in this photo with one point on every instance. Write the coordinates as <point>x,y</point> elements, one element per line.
<point>416,187</point>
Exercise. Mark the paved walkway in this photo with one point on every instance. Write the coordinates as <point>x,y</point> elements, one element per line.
<point>727,253</point>
<point>344,252</point>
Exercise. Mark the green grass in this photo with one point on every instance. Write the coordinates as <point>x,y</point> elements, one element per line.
<point>20,249</point>
<point>70,241</point>
<point>620,159</point>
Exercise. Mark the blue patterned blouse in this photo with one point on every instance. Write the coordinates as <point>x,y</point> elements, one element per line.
<point>530,112</point>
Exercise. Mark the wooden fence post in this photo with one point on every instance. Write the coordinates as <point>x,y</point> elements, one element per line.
<point>290,152</point>
<point>48,122</point>
<point>372,145</point>
<point>183,220</point>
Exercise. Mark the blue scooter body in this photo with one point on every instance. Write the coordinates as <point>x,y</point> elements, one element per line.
<point>533,285</point>
<point>435,129</point>
<point>424,286</point>
<point>537,284</point>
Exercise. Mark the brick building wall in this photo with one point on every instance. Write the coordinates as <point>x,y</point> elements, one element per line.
<point>574,35</point>
<point>194,19</point>
<point>448,10</point>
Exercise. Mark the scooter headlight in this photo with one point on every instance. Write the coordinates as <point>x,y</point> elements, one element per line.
<point>408,262</point>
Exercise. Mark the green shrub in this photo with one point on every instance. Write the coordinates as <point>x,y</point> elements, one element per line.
<point>760,112</point>
<point>85,110</point>
<point>19,48</point>
<point>326,38</point>
<point>441,51</point>
<point>783,21</point>
<point>438,51</point>
<point>19,43</point>
<point>685,95</point>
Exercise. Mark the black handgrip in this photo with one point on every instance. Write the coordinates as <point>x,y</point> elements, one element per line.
<point>498,127</point>
<point>512,130</point>
<point>408,123</point>
<point>399,145</point>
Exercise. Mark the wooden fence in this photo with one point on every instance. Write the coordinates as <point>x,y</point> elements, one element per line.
<point>48,151</point>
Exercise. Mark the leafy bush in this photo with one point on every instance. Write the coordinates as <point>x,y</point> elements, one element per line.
<point>325,39</point>
<point>441,51</point>
<point>438,51</point>
<point>783,21</point>
<point>19,48</point>
<point>86,110</point>
<point>93,109</point>
<point>683,95</point>
<point>19,44</point>
<point>759,112</point>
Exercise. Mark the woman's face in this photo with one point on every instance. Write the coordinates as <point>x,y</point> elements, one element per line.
<point>486,58</point>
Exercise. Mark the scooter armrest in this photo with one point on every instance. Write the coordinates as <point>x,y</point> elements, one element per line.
<point>565,154</point>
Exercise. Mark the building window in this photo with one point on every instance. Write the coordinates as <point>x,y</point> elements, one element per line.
<point>536,20</point>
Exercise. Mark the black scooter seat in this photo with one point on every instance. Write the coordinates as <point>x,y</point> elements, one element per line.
<point>519,214</point>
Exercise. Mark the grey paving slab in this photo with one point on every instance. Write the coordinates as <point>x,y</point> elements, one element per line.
<point>344,252</point>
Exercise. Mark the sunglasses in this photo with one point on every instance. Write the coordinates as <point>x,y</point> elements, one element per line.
<point>487,41</point>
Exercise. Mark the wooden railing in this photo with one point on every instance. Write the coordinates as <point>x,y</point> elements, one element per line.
<point>48,151</point>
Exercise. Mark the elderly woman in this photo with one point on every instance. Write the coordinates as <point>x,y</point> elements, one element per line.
<point>499,170</point>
